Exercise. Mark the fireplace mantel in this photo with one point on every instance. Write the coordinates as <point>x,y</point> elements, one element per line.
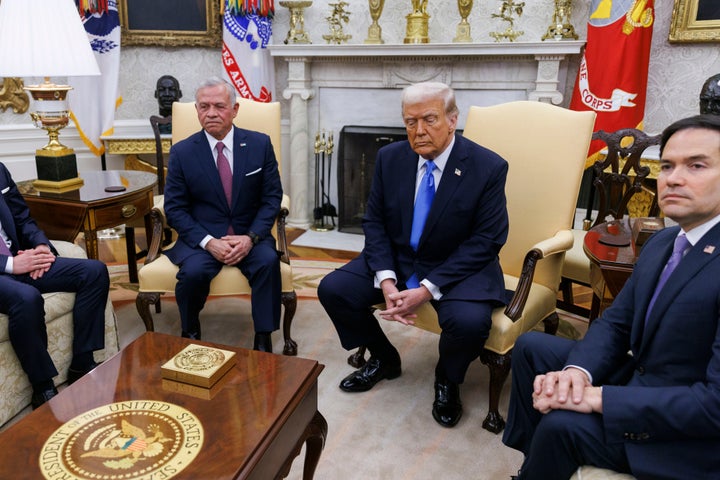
<point>329,86</point>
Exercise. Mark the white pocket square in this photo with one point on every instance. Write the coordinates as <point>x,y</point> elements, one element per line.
<point>5,190</point>
<point>253,172</point>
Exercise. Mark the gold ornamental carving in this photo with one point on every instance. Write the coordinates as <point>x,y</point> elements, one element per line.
<point>561,27</point>
<point>12,95</point>
<point>374,30</point>
<point>338,16</point>
<point>462,34</point>
<point>509,9</point>
<point>417,23</point>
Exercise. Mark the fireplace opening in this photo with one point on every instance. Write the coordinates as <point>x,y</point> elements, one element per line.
<point>357,149</point>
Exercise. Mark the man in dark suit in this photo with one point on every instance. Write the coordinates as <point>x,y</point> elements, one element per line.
<point>448,257</point>
<point>29,267</point>
<point>640,393</point>
<point>222,196</point>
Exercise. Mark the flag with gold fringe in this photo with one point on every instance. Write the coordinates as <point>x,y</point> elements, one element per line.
<point>612,78</point>
<point>247,26</point>
<point>95,99</point>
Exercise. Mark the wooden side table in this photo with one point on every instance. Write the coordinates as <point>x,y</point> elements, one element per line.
<point>61,215</point>
<point>612,255</point>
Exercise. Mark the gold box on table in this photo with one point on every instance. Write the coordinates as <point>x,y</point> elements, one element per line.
<point>198,365</point>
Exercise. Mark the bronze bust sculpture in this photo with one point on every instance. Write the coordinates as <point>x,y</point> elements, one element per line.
<point>167,91</point>
<point>710,96</point>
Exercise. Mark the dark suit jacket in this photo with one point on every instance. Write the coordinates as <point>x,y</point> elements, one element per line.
<point>16,220</point>
<point>668,414</point>
<point>195,202</point>
<point>465,229</point>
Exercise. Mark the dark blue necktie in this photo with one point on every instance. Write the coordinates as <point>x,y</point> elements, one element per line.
<point>423,201</point>
<point>681,244</point>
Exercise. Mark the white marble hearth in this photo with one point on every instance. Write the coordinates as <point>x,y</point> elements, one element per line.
<point>331,86</point>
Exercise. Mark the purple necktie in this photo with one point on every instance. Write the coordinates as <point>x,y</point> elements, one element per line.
<point>223,167</point>
<point>4,249</point>
<point>225,177</point>
<point>681,244</point>
<point>423,202</point>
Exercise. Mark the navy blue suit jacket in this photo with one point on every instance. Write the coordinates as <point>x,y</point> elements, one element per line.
<point>667,413</point>
<point>465,229</point>
<point>16,220</point>
<point>195,202</point>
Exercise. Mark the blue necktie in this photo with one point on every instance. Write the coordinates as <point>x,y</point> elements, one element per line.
<point>423,201</point>
<point>681,244</point>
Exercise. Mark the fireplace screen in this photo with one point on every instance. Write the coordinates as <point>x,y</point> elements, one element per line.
<point>357,148</point>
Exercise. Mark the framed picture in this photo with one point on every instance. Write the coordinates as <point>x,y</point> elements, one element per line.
<point>695,21</point>
<point>170,23</point>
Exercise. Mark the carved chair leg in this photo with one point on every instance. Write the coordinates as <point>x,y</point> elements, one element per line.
<point>289,301</point>
<point>499,366</point>
<point>357,359</point>
<point>551,322</point>
<point>142,303</point>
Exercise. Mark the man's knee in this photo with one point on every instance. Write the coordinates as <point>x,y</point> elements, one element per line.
<point>327,290</point>
<point>97,273</point>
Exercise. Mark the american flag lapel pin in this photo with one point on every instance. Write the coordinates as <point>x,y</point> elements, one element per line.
<point>709,249</point>
<point>458,172</point>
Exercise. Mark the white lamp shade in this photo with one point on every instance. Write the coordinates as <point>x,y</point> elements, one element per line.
<point>44,38</point>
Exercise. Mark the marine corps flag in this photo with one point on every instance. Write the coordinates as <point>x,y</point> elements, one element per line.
<point>247,26</point>
<point>612,79</point>
<point>96,98</point>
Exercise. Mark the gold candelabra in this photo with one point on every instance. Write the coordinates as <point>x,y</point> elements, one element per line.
<point>508,10</point>
<point>337,17</point>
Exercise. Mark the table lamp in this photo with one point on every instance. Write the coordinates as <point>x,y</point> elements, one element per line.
<point>43,39</point>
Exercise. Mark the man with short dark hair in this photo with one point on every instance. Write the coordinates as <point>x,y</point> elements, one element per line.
<point>640,393</point>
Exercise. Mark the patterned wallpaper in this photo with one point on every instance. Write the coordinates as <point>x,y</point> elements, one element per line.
<point>677,71</point>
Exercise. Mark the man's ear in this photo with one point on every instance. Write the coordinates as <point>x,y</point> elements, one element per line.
<point>156,93</point>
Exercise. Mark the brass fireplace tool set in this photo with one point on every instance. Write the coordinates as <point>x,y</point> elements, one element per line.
<point>324,209</point>
<point>417,27</point>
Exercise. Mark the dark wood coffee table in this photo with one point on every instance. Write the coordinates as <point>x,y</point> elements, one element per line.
<point>254,421</point>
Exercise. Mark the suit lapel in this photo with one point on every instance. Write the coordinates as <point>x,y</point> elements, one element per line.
<point>240,152</point>
<point>705,251</point>
<point>451,178</point>
<point>407,173</point>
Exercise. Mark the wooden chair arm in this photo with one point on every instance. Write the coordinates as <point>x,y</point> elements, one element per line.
<point>157,224</point>
<point>560,243</point>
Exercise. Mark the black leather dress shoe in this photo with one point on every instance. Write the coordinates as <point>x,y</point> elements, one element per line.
<point>190,335</point>
<point>75,374</point>
<point>40,397</point>
<point>263,342</point>
<point>447,408</point>
<point>372,372</point>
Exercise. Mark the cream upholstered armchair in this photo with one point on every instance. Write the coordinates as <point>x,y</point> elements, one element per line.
<point>15,390</point>
<point>158,274</point>
<point>617,178</point>
<point>545,147</point>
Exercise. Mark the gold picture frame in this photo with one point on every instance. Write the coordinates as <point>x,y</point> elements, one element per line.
<point>180,23</point>
<point>695,21</point>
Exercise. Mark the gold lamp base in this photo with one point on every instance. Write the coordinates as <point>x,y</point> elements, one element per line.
<point>56,164</point>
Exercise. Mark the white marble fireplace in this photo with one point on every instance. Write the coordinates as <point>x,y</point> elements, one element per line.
<point>331,86</point>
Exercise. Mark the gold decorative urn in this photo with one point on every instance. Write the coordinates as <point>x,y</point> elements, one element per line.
<point>462,34</point>
<point>417,23</point>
